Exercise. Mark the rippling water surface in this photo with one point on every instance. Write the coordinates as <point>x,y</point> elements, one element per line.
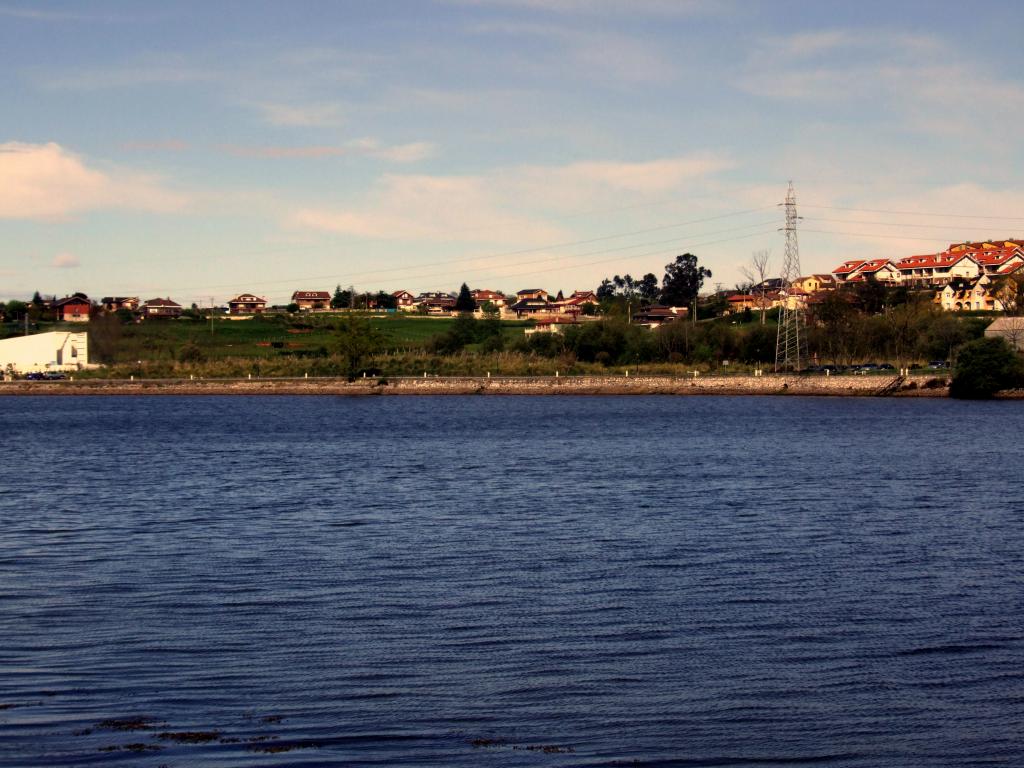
<point>560,581</point>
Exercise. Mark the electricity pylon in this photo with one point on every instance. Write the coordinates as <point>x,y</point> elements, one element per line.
<point>791,342</point>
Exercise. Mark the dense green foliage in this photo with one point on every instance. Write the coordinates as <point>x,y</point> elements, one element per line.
<point>465,301</point>
<point>984,367</point>
<point>683,280</point>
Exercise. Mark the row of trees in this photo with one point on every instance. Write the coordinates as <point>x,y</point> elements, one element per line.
<point>349,299</point>
<point>679,287</point>
<point>903,335</point>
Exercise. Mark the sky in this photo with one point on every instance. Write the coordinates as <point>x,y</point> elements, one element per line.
<point>199,150</point>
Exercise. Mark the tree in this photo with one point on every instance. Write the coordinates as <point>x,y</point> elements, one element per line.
<point>292,308</point>
<point>341,299</point>
<point>872,295</point>
<point>465,302</point>
<point>356,339</point>
<point>384,300</point>
<point>757,275</point>
<point>16,309</point>
<point>904,322</point>
<point>985,366</point>
<point>683,280</point>
<point>104,337</point>
<point>465,330</point>
<point>839,321</point>
<point>1009,292</point>
<point>191,352</point>
<point>605,290</point>
<point>647,288</point>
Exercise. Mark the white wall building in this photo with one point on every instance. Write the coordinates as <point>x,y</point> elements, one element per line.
<point>56,351</point>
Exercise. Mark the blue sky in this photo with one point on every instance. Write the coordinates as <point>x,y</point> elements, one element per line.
<point>198,150</point>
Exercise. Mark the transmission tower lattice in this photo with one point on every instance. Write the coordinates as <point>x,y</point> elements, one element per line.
<point>791,342</point>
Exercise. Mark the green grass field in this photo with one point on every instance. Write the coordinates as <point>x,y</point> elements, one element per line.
<point>260,337</point>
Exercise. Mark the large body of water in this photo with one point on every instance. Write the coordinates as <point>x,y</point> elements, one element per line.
<point>478,581</point>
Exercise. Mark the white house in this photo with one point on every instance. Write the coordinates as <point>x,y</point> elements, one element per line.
<point>55,351</point>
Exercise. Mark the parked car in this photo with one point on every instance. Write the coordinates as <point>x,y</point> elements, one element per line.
<point>54,375</point>
<point>936,364</point>
<point>886,367</point>
<point>34,376</point>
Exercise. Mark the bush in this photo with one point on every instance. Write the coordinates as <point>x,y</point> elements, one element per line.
<point>191,353</point>
<point>984,367</point>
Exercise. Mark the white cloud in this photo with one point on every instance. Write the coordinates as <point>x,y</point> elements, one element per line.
<point>45,181</point>
<point>429,208</point>
<point>602,55</point>
<point>300,115</point>
<point>65,261</point>
<point>924,83</point>
<point>506,205</point>
<point>398,153</point>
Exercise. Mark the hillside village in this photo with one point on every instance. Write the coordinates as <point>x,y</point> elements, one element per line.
<point>969,276</point>
<point>972,280</point>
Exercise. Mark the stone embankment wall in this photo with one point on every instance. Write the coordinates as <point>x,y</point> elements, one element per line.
<point>701,385</point>
<point>856,386</point>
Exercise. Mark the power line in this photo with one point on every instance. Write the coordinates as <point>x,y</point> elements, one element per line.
<point>349,276</point>
<point>547,258</point>
<point>873,235</point>
<point>883,223</point>
<point>916,213</point>
<point>660,251</point>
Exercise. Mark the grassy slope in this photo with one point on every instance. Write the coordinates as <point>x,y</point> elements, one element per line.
<point>160,340</point>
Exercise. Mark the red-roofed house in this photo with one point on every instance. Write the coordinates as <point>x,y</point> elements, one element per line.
<point>847,269</point>
<point>73,309</point>
<point>881,270</point>
<point>310,300</point>
<point>481,296</point>
<point>247,304</point>
<point>405,300</point>
<point>937,268</point>
<point>532,293</point>
<point>740,301</point>
<point>161,308</point>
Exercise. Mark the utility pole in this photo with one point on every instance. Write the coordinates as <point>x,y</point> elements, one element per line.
<point>791,341</point>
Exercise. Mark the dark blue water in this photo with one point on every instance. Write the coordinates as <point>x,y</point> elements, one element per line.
<point>511,582</point>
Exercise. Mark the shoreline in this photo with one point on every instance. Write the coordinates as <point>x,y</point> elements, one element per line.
<point>768,385</point>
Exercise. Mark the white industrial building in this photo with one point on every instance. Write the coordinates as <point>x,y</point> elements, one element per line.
<point>56,351</point>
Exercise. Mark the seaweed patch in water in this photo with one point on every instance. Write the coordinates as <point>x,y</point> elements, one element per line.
<point>273,718</point>
<point>8,706</point>
<point>138,723</point>
<point>139,747</point>
<point>547,749</point>
<point>273,749</point>
<point>133,747</point>
<point>189,737</point>
<point>478,743</point>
